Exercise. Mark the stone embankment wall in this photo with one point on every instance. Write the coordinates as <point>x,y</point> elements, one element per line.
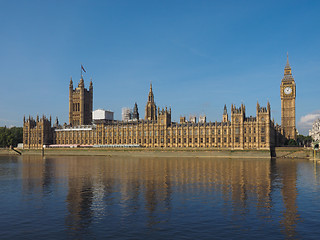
<point>293,152</point>
<point>153,152</point>
<point>279,152</point>
<point>7,151</point>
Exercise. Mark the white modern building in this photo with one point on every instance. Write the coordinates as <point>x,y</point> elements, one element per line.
<point>102,115</point>
<point>315,131</point>
<point>202,118</point>
<point>192,119</point>
<point>126,114</point>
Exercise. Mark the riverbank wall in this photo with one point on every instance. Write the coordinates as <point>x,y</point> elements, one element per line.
<point>292,152</point>
<point>279,152</point>
<point>185,152</point>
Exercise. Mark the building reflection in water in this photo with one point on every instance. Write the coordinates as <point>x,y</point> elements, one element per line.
<point>287,171</point>
<point>98,187</point>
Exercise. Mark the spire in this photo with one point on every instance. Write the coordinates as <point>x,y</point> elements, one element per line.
<point>225,110</point>
<point>81,83</point>
<point>287,69</point>
<point>91,86</point>
<point>135,114</point>
<point>151,97</point>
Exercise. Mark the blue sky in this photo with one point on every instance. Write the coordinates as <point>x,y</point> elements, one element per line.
<point>199,55</point>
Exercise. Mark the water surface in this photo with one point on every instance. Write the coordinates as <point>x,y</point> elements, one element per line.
<point>158,198</point>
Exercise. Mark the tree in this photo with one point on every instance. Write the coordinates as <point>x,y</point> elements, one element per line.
<point>292,142</point>
<point>304,140</point>
<point>10,136</point>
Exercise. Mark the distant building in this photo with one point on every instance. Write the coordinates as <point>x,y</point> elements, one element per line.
<point>101,115</point>
<point>202,118</point>
<point>315,131</point>
<point>192,119</point>
<point>126,114</point>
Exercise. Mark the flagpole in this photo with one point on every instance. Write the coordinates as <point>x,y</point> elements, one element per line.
<point>81,71</point>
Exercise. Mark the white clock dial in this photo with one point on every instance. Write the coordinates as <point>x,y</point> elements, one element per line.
<point>288,90</point>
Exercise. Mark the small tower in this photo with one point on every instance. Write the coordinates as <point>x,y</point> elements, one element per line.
<point>182,119</point>
<point>56,124</point>
<point>238,114</point>
<point>151,108</point>
<point>225,114</point>
<point>135,114</point>
<point>165,116</point>
<point>37,133</point>
<point>71,106</point>
<point>263,120</point>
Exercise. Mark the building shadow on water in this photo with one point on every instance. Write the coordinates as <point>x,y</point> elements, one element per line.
<point>148,193</point>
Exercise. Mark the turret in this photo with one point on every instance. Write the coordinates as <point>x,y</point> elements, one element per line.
<point>91,85</point>
<point>81,83</point>
<point>287,68</point>
<point>225,114</point>
<point>151,108</point>
<point>182,119</point>
<point>164,116</point>
<point>71,84</point>
<point>151,97</point>
<point>71,105</point>
<point>135,114</point>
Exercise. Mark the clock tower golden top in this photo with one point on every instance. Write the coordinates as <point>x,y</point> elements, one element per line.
<point>287,69</point>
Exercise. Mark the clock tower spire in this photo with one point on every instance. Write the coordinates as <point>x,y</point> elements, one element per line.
<point>288,103</point>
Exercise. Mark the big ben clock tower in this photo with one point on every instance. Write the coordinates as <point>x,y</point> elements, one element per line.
<point>288,103</point>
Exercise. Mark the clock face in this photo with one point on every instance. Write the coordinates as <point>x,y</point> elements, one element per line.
<point>288,90</point>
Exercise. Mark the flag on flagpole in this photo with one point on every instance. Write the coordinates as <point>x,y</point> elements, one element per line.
<point>83,68</point>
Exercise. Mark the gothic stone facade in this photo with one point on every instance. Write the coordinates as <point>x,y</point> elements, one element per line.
<point>157,129</point>
<point>240,133</point>
<point>37,133</point>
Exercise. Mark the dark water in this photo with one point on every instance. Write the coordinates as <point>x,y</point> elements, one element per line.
<point>158,198</point>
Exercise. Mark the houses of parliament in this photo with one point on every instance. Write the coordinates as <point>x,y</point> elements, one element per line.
<point>157,130</point>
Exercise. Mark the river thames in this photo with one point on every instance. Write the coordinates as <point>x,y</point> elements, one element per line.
<point>107,197</point>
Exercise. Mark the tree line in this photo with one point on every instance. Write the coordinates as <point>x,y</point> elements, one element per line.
<point>10,136</point>
<point>301,141</point>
